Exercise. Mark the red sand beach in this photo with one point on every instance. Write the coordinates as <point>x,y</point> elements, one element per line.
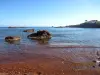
<point>45,60</point>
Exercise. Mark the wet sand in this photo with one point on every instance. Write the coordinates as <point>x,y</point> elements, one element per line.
<point>47,60</point>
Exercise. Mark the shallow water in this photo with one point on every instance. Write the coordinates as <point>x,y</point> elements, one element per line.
<point>66,48</point>
<point>66,36</point>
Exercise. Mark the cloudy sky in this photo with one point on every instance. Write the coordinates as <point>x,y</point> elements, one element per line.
<point>47,12</point>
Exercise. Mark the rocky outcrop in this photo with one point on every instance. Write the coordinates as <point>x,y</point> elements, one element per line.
<point>12,39</point>
<point>87,24</point>
<point>40,35</point>
<point>29,30</point>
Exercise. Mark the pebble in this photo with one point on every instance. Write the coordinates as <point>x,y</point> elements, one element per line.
<point>62,62</point>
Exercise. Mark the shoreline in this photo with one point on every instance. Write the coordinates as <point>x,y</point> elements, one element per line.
<point>48,61</point>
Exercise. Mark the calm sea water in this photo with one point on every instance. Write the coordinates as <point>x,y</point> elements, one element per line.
<point>61,36</point>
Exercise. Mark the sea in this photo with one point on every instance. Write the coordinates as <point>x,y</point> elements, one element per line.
<point>60,36</point>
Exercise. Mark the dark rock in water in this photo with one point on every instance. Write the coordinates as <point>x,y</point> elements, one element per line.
<point>99,65</point>
<point>98,58</point>
<point>43,42</point>
<point>40,35</point>
<point>94,61</point>
<point>29,30</point>
<point>12,39</point>
<point>93,66</point>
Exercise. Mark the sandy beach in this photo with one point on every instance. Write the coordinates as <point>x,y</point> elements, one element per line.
<point>49,37</point>
<point>45,60</point>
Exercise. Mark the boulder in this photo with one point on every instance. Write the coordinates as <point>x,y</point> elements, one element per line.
<point>12,39</point>
<point>29,30</point>
<point>40,35</point>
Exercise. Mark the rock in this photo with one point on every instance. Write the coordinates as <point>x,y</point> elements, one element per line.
<point>43,41</point>
<point>93,66</point>
<point>12,39</point>
<point>94,61</point>
<point>99,65</point>
<point>40,35</point>
<point>98,58</point>
<point>29,30</point>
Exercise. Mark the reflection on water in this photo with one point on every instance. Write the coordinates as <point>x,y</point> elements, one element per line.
<point>13,42</point>
<point>42,41</point>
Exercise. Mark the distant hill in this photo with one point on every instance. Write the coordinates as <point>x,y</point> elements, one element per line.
<point>87,24</point>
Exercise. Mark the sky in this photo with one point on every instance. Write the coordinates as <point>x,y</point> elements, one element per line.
<point>48,12</point>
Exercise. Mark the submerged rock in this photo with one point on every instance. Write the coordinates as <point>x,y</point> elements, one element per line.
<point>40,35</point>
<point>29,30</point>
<point>12,39</point>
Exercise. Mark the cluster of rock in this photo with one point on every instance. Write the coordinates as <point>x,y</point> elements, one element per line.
<point>29,30</point>
<point>97,60</point>
<point>39,35</point>
<point>12,39</point>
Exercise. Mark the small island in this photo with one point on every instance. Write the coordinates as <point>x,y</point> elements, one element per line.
<point>15,27</point>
